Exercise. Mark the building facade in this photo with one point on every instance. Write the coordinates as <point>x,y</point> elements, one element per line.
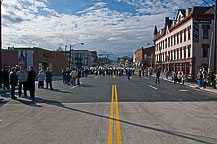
<point>184,43</point>
<point>37,57</point>
<point>144,57</point>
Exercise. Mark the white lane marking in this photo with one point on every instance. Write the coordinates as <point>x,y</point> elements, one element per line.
<point>95,76</point>
<point>0,120</point>
<point>146,78</point>
<point>74,87</point>
<point>152,87</point>
<point>183,90</point>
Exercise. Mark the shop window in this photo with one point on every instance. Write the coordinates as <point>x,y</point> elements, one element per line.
<point>205,32</point>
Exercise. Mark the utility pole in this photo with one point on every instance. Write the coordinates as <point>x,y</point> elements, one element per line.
<point>1,44</point>
<point>215,28</point>
<point>70,56</point>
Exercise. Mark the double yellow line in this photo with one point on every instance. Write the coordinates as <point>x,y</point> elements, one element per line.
<point>111,118</point>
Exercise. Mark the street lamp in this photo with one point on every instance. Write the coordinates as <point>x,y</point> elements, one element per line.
<point>70,55</point>
<point>1,44</point>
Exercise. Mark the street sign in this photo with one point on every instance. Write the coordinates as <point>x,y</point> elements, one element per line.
<point>160,62</point>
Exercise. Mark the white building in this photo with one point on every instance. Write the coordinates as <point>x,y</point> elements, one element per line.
<point>184,44</point>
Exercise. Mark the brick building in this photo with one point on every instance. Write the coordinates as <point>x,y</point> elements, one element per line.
<point>37,57</point>
<point>184,43</point>
<point>144,57</point>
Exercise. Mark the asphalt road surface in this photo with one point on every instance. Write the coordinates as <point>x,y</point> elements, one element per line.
<point>106,110</point>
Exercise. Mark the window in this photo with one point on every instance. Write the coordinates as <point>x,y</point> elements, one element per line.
<point>171,40</point>
<point>184,52</point>
<point>205,52</point>
<point>184,34</point>
<point>168,56</point>
<point>171,55</point>
<point>180,18</point>
<point>180,53</point>
<point>180,36</point>
<point>177,53</point>
<point>177,38</point>
<point>205,32</point>
<point>174,54</point>
<point>189,51</point>
<point>174,39</point>
<point>168,42</point>
<point>165,43</point>
<point>189,33</point>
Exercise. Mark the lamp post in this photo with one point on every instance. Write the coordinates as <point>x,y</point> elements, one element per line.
<point>1,44</point>
<point>70,54</point>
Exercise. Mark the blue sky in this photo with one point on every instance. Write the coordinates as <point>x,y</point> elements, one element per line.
<point>107,26</point>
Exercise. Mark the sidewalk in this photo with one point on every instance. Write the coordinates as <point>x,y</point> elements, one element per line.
<point>191,84</point>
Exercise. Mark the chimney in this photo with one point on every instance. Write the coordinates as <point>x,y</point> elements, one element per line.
<point>188,11</point>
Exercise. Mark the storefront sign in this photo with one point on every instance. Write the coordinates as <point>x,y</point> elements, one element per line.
<point>49,54</point>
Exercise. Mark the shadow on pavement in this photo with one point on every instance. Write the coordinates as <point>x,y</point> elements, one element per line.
<point>61,91</point>
<point>2,102</point>
<point>197,138</point>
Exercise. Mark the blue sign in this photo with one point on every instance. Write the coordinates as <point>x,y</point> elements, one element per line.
<point>160,62</point>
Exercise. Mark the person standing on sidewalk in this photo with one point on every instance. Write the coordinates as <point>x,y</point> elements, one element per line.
<point>6,78</point>
<point>183,77</point>
<point>48,78</point>
<point>41,78</point>
<point>22,77</point>
<point>73,75</point>
<point>31,82</point>
<point>13,82</point>
<point>204,77</point>
<point>157,79</point>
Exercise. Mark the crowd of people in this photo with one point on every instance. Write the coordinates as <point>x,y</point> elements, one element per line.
<point>72,76</point>
<point>25,79</point>
<point>205,78</point>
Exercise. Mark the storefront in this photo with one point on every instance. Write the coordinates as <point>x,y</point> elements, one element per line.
<point>37,57</point>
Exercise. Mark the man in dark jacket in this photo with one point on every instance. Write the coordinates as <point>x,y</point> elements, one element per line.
<point>13,82</point>
<point>6,78</point>
<point>48,78</point>
<point>31,82</point>
<point>157,80</point>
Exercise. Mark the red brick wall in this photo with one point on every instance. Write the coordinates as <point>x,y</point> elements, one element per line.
<point>9,57</point>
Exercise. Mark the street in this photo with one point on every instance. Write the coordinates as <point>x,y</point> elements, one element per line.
<point>111,109</point>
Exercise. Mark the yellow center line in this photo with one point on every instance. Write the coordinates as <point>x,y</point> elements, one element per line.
<point>118,127</point>
<point>110,133</point>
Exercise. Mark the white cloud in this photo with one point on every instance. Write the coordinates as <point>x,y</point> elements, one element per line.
<point>98,27</point>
